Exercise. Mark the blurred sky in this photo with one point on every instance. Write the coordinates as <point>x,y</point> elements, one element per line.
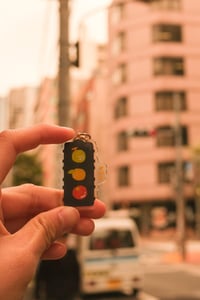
<point>29,37</point>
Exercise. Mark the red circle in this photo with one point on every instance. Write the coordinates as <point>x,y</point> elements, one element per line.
<point>79,192</point>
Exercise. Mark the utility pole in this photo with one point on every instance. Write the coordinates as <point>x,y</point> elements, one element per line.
<point>196,179</point>
<point>63,105</point>
<point>180,202</point>
<point>64,65</point>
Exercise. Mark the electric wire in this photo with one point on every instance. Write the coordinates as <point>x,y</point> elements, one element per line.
<point>46,56</point>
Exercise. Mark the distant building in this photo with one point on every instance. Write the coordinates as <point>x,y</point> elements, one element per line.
<point>153,63</point>
<point>17,111</point>
<point>34,105</point>
<point>4,121</point>
<point>81,114</point>
<point>45,111</point>
<point>21,106</point>
<point>3,113</point>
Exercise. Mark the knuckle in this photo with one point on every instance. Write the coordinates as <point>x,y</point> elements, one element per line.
<point>6,137</point>
<point>4,134</point>
<point>28,186</point>
<point>45,229</point>
<point>31,189</point>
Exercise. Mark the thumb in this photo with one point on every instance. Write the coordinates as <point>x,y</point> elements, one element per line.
<point>41,231</point>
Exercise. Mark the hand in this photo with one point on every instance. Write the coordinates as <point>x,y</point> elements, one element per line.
<point>33,218</point>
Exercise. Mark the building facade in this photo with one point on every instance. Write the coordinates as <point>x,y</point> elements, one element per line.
<point>3,113</point>
<point>152,108</point>
<point>45,111</point>
<point>21,106</point>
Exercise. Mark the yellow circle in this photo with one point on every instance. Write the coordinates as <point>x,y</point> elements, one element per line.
<point>78,156</point>
<point>78,174</point>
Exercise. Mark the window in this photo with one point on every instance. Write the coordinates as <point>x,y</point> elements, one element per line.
<point>166,136</point>
<point>166,4</point>
<point>119,75</point>
<point>117,13</point>
<point>119,43</point>
<point>111,239</point>
<point>121,107</point>
<point>167,33</point>
<point>168,66</point>
<point>123,176</point>
<point>184,135</point>
<point>165,172</point>
<point>164,100</point>
<point>122,141</point>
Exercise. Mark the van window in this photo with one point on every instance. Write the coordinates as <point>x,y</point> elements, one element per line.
<point>111,239</point>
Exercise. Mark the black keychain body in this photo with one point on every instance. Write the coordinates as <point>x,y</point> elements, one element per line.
<point>78,170</point>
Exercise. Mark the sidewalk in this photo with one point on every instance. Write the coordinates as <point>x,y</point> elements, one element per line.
<point>170,253</point>
<point>192,257</point>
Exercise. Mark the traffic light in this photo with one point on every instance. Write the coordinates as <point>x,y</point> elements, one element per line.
<point>79,173</point>
<point>76,61</point>
<point>143,133</point>
<point>140,133</point>
<point>145,1</point>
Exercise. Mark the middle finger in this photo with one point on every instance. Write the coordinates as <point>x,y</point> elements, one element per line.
<point>28,200</point>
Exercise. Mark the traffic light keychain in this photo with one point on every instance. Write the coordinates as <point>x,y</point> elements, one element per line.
<point>83,171</point>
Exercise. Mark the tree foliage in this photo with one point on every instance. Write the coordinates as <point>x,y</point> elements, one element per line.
<point>27,169</point>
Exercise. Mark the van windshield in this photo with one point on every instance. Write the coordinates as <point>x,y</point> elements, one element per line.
<point>111,239</point>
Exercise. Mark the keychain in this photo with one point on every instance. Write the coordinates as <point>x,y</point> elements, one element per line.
<point>83,171</point>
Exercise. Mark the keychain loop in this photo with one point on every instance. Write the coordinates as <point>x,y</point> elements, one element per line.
<point>82,136</point>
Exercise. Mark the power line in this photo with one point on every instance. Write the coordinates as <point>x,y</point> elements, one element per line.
<point>47,56</point>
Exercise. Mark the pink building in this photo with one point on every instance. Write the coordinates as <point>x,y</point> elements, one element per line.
<point>80,104</point>
<point>149,98</point>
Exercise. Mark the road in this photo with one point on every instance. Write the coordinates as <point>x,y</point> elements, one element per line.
<point>168,282</point>
<point>179,282</point>
<point>142,296</point>
<point>165,277</point>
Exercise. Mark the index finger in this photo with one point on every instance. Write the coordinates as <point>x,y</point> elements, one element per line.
<point>15,141</point>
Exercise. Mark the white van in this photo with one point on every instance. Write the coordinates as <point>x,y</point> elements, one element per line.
<point>109,258</point>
